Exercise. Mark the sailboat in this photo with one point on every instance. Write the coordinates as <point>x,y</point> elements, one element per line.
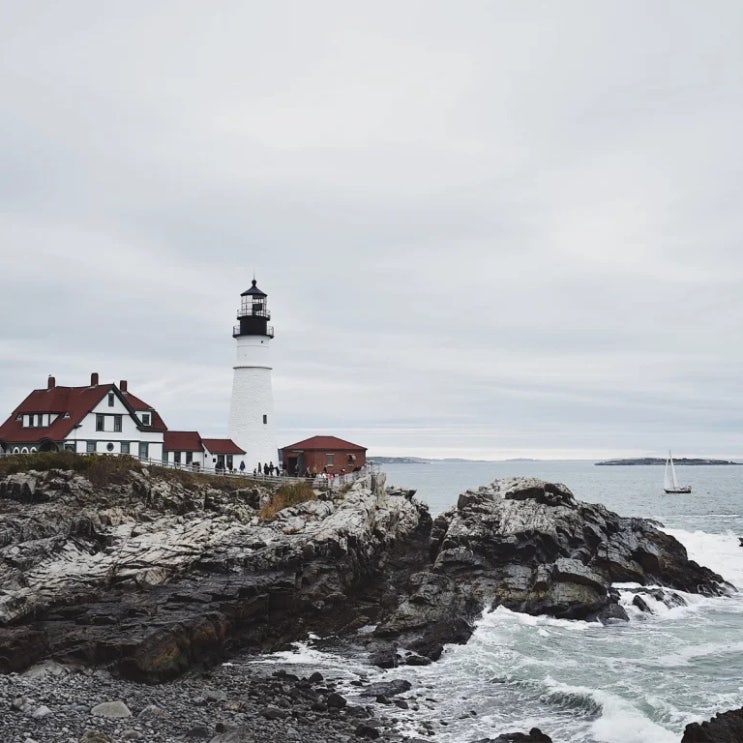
<point>670,483</point>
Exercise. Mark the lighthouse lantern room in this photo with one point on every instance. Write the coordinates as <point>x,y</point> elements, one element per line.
<point>251,407</point>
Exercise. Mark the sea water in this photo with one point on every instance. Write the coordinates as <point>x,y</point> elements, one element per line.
<point>636,682</point>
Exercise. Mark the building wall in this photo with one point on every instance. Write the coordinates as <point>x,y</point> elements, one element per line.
<point>212,461</point>
<point>252,399</point>
<point>109,441</point>
<point>332,460</point>
<point>197,458</point>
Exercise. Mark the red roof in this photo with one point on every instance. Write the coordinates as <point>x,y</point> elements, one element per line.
<point>182,441</point>
<point>222,446</point>
<point>135,403</point>
<point>325,443</point>
<point>72,404</point>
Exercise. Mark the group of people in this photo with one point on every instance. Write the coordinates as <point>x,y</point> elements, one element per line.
<point>268,469</point>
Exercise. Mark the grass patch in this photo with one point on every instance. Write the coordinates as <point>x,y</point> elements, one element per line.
<point>289,494</point>
<point>100,469</point>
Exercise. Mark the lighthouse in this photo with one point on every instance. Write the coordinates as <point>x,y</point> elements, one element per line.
<point>251,407</point>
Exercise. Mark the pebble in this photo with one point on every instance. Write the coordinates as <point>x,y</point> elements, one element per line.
<point>240,704</point>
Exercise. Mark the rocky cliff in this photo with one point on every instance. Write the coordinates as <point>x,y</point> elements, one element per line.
<point>153,574</point>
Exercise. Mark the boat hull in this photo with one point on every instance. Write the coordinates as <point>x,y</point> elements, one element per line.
<point>685,489</point>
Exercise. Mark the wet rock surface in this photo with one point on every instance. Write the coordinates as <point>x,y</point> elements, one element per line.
<point>530,546</point>
<point>725,727</point>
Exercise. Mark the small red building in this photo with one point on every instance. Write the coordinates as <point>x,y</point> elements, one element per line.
<point>323,453</point>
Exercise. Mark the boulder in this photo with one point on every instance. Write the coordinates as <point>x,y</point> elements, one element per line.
<point>724,727</point>
<point>530,546</point>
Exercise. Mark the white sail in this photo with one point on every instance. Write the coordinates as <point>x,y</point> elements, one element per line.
<point>669,478</point>
<point>673,471</point>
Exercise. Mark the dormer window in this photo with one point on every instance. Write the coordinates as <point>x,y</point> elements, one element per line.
<point>146,419</point>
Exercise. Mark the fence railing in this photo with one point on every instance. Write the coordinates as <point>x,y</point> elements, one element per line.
<point>319,481</point>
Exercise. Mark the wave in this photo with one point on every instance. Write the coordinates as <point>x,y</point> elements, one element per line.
<point>617,720</point>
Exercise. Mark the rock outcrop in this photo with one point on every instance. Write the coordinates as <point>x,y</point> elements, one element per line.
<point>153,574</point>
<point>725,727</point>
<point>530,546</point>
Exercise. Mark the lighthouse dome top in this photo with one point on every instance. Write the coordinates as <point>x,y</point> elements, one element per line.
<point>253,291</point>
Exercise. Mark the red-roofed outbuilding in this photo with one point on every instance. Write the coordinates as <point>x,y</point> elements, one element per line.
<point>323,454</point>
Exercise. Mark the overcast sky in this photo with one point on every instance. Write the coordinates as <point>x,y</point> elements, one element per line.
<point>486,229</point>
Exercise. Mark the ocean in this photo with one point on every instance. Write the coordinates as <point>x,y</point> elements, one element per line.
<point>581,682</point>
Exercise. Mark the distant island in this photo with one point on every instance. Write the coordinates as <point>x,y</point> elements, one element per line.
<point>657,460</point>
<point>397,460</point>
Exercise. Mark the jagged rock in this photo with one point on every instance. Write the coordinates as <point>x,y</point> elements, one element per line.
<point>153,576</point>
<point>387,688</point>
<point>530,546</point>
<point>535,735</point>
<point>724,727</point>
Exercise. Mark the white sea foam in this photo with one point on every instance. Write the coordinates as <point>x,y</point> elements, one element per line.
<point>719,552</point>
<point>618,720</point>
<point>504,616</point>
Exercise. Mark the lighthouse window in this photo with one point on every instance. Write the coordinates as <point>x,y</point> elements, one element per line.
<point>265,419</point>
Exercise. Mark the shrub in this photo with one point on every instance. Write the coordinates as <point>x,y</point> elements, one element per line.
<point>100,469</point>
<point>289,494</point>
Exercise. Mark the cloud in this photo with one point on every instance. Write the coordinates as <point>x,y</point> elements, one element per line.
<point>502,230</point>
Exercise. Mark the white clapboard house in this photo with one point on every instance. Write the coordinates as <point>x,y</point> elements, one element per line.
<point>107,419</point>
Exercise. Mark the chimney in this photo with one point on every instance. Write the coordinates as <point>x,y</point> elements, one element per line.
<point>123,386</point>
<point>51,383</point>
<point>94,379</point>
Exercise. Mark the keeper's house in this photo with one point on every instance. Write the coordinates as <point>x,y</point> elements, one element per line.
<point>323,454</point>
<point>106,419</point>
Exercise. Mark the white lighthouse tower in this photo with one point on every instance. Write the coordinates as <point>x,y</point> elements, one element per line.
<point>251,408</point>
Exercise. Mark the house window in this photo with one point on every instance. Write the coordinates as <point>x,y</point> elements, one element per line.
<point>124,447</point>
<point>109,446</point>
<point>265,419</point>
<point>90,447</point>
<point>189,457</point>
<point>99,419</point>
<point>146,419</point>
<point>117,422</point>
<point>329,459</point>
<point>144,450</point>
<point>110,399</point>
<point>69,447</point>
<point>176,457</point>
